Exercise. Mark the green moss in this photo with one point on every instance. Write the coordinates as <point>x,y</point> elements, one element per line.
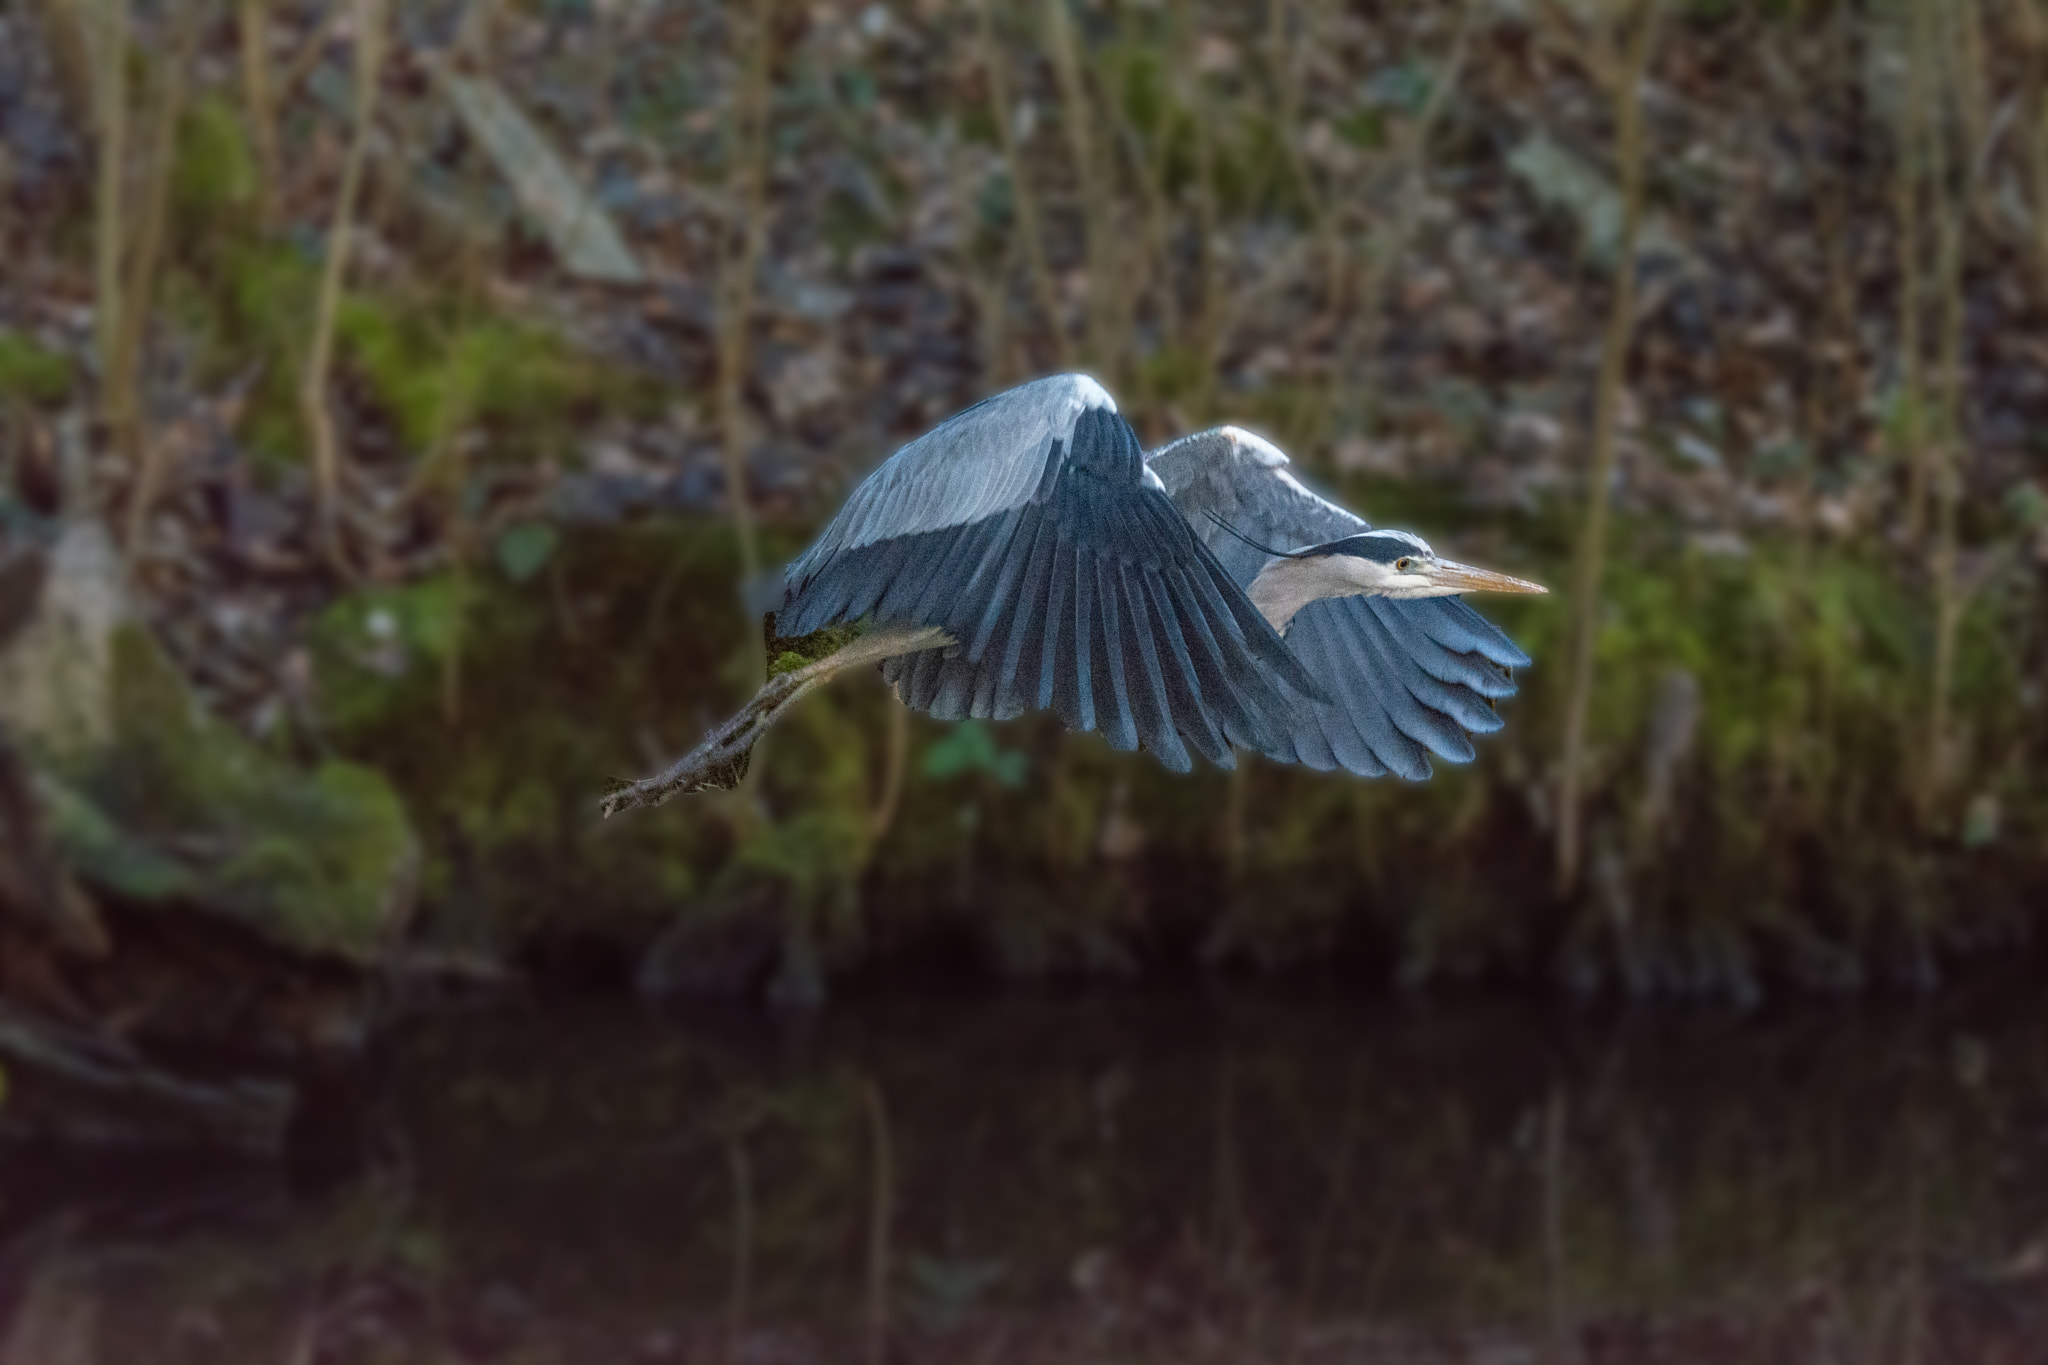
<point>1811,663</point>
<point>180,807</point>
<point>551,708</point>
<point>215,176</point>
<point>255,298</point>
<point>31,374</point>
<point>788,653</point>
<point>437,374</point>
<point>382,649</point>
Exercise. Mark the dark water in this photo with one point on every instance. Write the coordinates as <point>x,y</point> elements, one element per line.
<point>1168,1176</point>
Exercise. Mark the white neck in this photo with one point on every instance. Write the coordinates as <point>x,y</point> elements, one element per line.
<point>1285,586</point>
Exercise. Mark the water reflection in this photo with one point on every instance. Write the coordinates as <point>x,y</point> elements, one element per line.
<point>1161,1177</point>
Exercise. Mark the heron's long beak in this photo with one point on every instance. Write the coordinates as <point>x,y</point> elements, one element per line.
<point>1464,578</point>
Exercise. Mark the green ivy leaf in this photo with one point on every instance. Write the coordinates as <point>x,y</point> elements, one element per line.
<point>970,748</point>
<point>523,550</point>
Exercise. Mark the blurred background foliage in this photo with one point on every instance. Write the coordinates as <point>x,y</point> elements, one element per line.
<point>450,377</point>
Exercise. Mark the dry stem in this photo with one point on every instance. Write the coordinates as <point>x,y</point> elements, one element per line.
<point>1208,325</point>
<point>720,762</point>
<point>108,39</point>
<point>1964,50</point>
<point>124,377</point>
<point>882,1159</point>
<point>1284,56</point>
<point>1106,310</point>
<point>1364,338</point>
<point>896,762</point>
<point>369,63</point>
<point>257,94</point>
<point>1023,200</point>
<point>2030,31</point>
<point>748,186</point>
<point>990,289</point>
<point>742,1242</point>
<point>1624,79</point>
<point>1913,137</point>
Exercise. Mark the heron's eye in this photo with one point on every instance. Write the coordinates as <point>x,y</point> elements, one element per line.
<point>1403,564</point>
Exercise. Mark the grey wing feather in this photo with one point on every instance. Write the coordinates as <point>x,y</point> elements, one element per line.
<point>1405,678</point>
<point>1228,472</point>
<point>972,466</point>
<point>1030,531</point>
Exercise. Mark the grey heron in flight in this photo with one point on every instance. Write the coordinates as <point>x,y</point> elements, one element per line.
<point>1026,554</point>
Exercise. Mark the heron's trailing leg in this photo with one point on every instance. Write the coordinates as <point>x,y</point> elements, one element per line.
<point>721,760</point>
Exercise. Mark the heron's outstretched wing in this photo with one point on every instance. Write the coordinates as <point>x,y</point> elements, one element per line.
<point>1028,529</point>
<point>1405,678</point>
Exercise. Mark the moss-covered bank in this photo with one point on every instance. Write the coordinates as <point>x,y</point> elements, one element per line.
<point>1759,816</point>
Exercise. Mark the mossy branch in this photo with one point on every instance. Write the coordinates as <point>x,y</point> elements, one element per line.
<point>720,762</point>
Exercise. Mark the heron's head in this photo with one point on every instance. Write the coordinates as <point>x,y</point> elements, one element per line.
<point>1397,564</point>
<point>1370,564</point>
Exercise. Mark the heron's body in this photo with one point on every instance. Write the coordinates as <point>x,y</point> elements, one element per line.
<point>1074,573</point>
<point>1028,555</point>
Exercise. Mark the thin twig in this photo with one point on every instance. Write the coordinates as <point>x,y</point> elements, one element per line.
<point>1077,116</point>
<point>108,39</point>
<point>1208,326</point>
<point>990,289</point>
<point>2030,31</point>
<point>1023,199</point>
<point>720,762</point>
<point>260,99</point>
<point>1914,136</point>
<point>742,1242</point>
<point>1364,338</point>
<point>124,378</point>
<point>1557,1281</point>
<point>896,761</point>
<point>1283,55</point>
<point>882,1175</point>
<point>1235,807</point>
<point>369,63</point>
<point>1964,51</point>
<point>1624,90</point>
<point>1152,261</point>
<point>311,47</point>
<point>748,188</point>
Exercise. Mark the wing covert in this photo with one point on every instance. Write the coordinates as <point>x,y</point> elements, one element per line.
<point>1405,678</point>
<point>1030,530</point>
